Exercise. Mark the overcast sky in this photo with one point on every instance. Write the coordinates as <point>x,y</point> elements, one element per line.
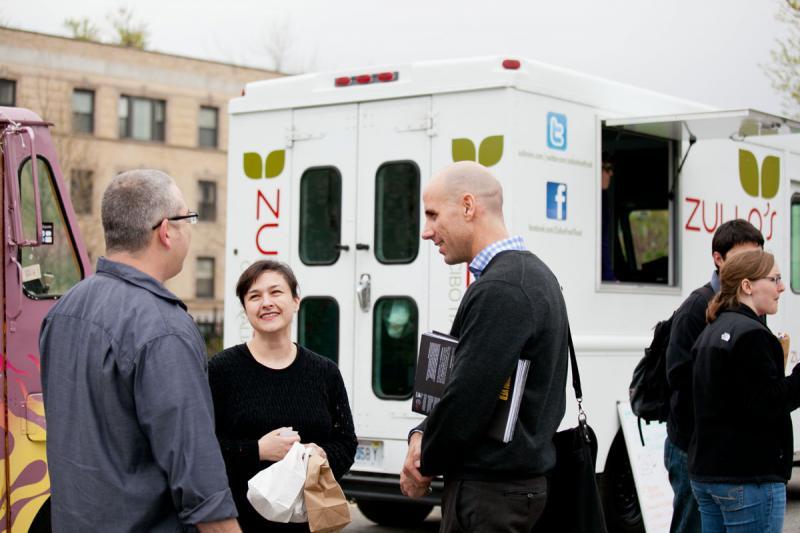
<point>709,51</point>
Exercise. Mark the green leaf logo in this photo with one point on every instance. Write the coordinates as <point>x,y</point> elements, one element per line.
<point>463,150</point>
<point>764,184</point>
<point>770,176</point>
<point>275,163</point>
<point>252,165</point>
<point>748,172</point>
<point>491,150</point>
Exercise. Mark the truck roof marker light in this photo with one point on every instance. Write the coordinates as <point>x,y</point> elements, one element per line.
<point>366,79</point>
<point>244,90</point>
<point>511,64</point>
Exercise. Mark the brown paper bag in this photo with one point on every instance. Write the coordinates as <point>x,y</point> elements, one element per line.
<point>327,508</point>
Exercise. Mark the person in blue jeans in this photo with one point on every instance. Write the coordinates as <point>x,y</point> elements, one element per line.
<point>731,238</point>
<point>740,456</point>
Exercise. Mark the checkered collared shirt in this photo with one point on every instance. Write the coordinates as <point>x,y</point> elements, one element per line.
<point>487,254</point>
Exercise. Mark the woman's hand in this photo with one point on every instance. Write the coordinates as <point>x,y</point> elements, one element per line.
<point>316,450</point>
<point>274,445</point>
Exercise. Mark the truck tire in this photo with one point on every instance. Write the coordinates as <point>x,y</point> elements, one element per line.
<point>620,501</point>
<point>394,513</point>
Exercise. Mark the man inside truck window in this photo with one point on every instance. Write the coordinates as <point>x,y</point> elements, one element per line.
<point>130,442</point>
<point>607,215</point>
<point>689,321</point>
<point>513,310</point>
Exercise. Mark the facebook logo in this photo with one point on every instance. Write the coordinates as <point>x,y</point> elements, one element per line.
<point>557,131</point>
<point>556,200</point>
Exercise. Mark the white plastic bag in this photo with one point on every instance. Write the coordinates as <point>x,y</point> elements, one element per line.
<point>277,491</point>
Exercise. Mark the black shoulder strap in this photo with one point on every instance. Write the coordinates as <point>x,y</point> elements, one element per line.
<point>576,376</point>
<point>583,426</point>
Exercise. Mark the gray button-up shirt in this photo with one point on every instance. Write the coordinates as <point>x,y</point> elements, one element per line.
<point>130,423</point>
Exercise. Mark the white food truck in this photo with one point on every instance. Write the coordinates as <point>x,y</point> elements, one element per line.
<point>326,171</point>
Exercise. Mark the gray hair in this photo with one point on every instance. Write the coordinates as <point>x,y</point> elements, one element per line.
<point>132,203</point>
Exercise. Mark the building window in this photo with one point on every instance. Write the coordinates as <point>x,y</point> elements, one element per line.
<point>204,277</point>
<point>207,208</point>
<point>8,93</point>
<point>82,111</point>
<point>208,125</point>
<point>142,119</point>
<point>81,190</point>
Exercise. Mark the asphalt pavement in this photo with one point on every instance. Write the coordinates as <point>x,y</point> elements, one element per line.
<point>362,525</point>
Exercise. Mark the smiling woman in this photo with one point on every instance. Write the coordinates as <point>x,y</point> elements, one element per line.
<point>270,393</point>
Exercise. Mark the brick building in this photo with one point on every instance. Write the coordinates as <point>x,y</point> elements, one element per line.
<point>119,108</point>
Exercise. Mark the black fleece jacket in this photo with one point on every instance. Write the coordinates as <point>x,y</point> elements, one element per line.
<point>742,401</point>
<point>514,310</point>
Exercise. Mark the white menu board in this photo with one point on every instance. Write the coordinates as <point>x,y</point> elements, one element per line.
<point>649,473</point>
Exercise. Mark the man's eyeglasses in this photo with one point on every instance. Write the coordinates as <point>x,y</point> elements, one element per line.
<point>774,279</point>
<point>190,217</point>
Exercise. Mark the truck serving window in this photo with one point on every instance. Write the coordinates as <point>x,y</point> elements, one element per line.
<point>49,270</point>
<point>318,326</point>
<point>394,347</point>
<point>397,212</point>
<point>795,247</point>
<point>320,215</point>
<point>636,227</point>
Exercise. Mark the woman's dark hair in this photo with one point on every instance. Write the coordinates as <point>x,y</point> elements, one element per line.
<point>251,274</point>
<point>752,265</point>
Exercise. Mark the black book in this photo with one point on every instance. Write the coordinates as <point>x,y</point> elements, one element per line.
<point>434,367</point>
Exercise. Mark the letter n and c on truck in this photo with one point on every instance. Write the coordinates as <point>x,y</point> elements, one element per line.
<point>325,172</point>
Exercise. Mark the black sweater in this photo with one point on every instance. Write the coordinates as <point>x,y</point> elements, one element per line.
<point>514,310</point>
<point>687,324</point>
<point>251,400</point>
<point>742,401</point>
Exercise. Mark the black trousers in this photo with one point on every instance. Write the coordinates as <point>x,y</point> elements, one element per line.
<point>492,506</point>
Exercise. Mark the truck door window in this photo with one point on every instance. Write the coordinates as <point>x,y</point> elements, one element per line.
<point>318,326</point>
<point>636,230</point>
<point>397,212</point>
<point>49,270</point>
<point>795,247</point>
<point>394,347</point>
<point>320,215</point>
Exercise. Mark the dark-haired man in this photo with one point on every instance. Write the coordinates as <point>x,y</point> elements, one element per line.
<point>732,237</point>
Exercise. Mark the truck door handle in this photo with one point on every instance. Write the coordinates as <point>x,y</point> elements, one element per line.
<point>363,291</point>
<point>342,247</point>
<point>362,246</point>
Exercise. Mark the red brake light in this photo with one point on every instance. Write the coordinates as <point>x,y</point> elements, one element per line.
<point>343,81</point>
<point>511,64</point>
<point>386,76</point>
<point>363,78</point>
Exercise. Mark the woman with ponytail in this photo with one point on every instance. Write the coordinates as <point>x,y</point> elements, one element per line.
<point>740,456</point>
